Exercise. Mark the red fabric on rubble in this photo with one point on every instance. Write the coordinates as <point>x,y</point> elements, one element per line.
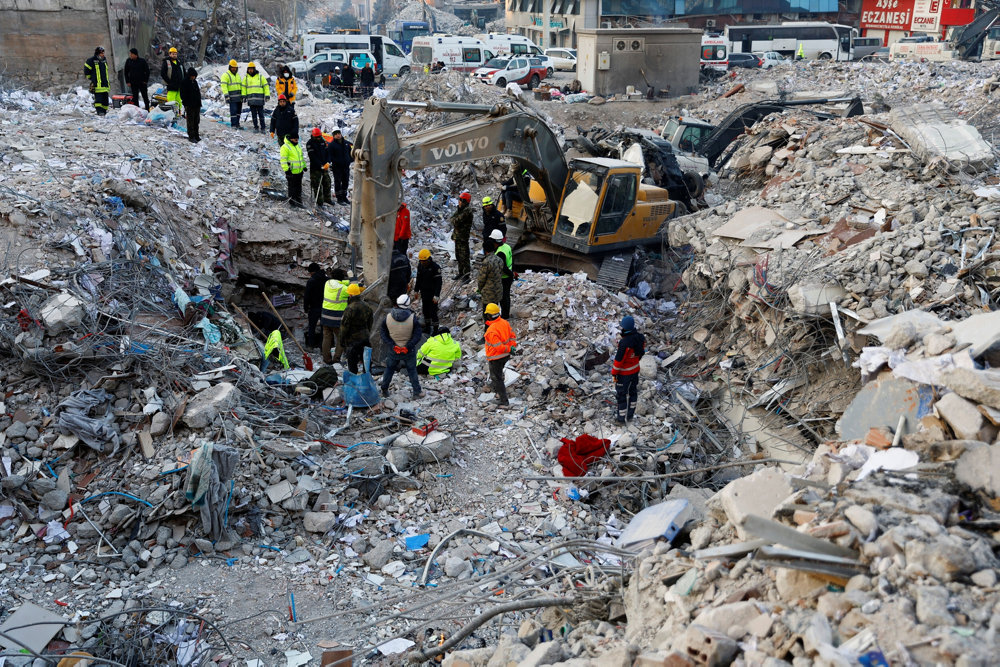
<point>577,455</point>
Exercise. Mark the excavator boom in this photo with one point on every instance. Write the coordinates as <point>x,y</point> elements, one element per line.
<point>380,154</point>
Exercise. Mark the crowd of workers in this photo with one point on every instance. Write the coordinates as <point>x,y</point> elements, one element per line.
<point>334,302</point>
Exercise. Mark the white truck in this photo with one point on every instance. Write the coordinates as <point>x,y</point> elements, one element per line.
<point>390,58</point>
<point>462,54</point>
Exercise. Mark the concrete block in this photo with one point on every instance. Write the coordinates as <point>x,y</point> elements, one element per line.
<point>979,469</point>
<point>977,386</point>
<point>661,659</point>
<point>319,522</point>
<point>814,298</point>
<point>705,647</point>
<point>202,410</point>
<point>546,653</point>
<point>729,619</point>
<point>475,657</point>
<point>759,493</point>
<point>61,312</point>
<point>962,416</point>
<point>793,584</point>
<point>934,131</point>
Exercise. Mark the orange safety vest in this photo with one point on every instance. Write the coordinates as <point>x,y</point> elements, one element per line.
<point>500,339</point>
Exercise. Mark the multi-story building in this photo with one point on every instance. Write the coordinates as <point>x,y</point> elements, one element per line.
<point>526,17</point>
<point>892,20</point>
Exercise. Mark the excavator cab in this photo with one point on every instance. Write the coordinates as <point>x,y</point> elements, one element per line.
<point>605,208</point>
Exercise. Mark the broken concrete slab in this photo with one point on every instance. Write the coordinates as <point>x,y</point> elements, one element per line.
<point>814,298</point>
<point>757,494</point>
<point>61,312</point>
<point>30,627</point>
<point>962,416</point>
<point>881,402</point>
<point>980,386</point>
<point>705,647</point>
<point>202,410</point>
<point>979,468</point>
<point>932,131</point>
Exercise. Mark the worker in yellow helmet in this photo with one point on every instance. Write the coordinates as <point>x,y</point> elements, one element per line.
<point>173,73</point>
<point>492,219</point>
<point>428,287</point>
<point>500,344</point>
<point>232,88</point>
<point>335,297</point>
<point>256,91</point>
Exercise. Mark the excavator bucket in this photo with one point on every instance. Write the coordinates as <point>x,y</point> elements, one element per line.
<point>377,190</point>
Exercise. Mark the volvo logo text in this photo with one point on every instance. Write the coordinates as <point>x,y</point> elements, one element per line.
<point>461,148</point>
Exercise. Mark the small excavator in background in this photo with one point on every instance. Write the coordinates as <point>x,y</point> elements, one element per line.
<point>583,214</point>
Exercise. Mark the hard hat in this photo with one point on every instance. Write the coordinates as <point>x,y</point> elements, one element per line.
<point>282,97</point>
<point>336,69</point>
<point>424,254</point>
<point>496,235</point>
<point>233,63</point>
<point>317,132</point>
<point>403,300</point>
<point>173,49</point>
<point>353,289</point>
<point>99,49</point>
<point>251,66</point>
<point>487,201</point>
<point>628,323</point>
<point>466,197</point>
<point>492,309</point>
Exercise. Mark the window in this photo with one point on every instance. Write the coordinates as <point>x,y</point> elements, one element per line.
<point>518,49</point>
<point>121,26</point>
<point>579,204</point>
<point>576,7</point>
<point>471,55</point>
<point>619,200</point>
<point>393,51</point>
<point>691,139</point>
<point>421,54</point>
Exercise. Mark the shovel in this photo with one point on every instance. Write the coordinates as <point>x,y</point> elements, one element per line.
<point>306,359</point>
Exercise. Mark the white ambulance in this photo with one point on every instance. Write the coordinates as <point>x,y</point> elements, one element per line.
<point>503,44</point>
<point>714,52</point>
<point>462,54</point>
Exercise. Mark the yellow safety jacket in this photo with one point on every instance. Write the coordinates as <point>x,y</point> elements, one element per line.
<point>256,89</point>
<point>334,302</point>
<point>273,343</point>
<point>232,85</point>
<point>292,159</point>
<point>287,87</point>
<point>439,353</point>
<point>508,260</point>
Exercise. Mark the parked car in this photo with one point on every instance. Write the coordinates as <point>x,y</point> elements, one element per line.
<point>501,71</point>
<point>340,58</point>
<point>562,59</point>
<point>539,71</point>
<point>747,60</point>
<point>770,59</point>
<point>881,55</point>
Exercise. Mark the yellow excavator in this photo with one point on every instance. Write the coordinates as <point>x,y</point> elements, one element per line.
<point>584,214</point>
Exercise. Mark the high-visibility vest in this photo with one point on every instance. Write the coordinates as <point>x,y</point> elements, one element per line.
<point>508,260</point>
<point>97,71</point>
<point>802,50</point>
<point>334,302</point>
<point>500,339</point>
<point>232,84</point>
<point>439,353</point>
<point>273,343</point>
<point>256,89</point>
<point>292,159</point>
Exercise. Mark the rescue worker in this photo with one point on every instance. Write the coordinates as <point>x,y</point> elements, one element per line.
<point>461,229</point>
<point>284,122</point>
<point>340,165</point>
<point>191,99</point>
<point>491,275</point>
<point>428,287</point>
<point>367,80</point>
<point>399,275</point>
<point>438,353</point>
<point>293,163</point>
<point>232,88</point>
<point>96,69</point>
<point>500,344</point>
<point>136,75</point>
<point>401,332</point>
<point>334,305</point>
<point>257,92</point>
<point>507,255</point>
<point>172,73</point>
<point>286,85</point>
<point>492,219</point>
<point>319,168</point>
<point>355,328</point>
<point>625,369</point>
<point>336,82</point>
<point>402,234</point>
<point>801,53</point>
<point>348,79</point>
<point>312,301</point>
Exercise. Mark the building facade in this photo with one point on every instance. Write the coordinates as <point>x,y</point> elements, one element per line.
<point>891,20</point>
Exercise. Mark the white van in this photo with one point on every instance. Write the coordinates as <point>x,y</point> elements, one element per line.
<point>389,56</point>
<point>514,45</point>
<point>462,54</point>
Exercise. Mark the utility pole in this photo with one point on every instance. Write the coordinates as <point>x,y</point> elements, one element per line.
<point>545,23</point>
<point>246,28</point>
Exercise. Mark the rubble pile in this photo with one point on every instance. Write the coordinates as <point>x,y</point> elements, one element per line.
<point>227,38</point>
<point>442,21</point>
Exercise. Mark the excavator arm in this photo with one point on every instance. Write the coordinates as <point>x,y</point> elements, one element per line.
<point>380,154</point>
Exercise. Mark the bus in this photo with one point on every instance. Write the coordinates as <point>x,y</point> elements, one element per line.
<point>825,41</point>
<point>403,32</point>
<point>714,54</point>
